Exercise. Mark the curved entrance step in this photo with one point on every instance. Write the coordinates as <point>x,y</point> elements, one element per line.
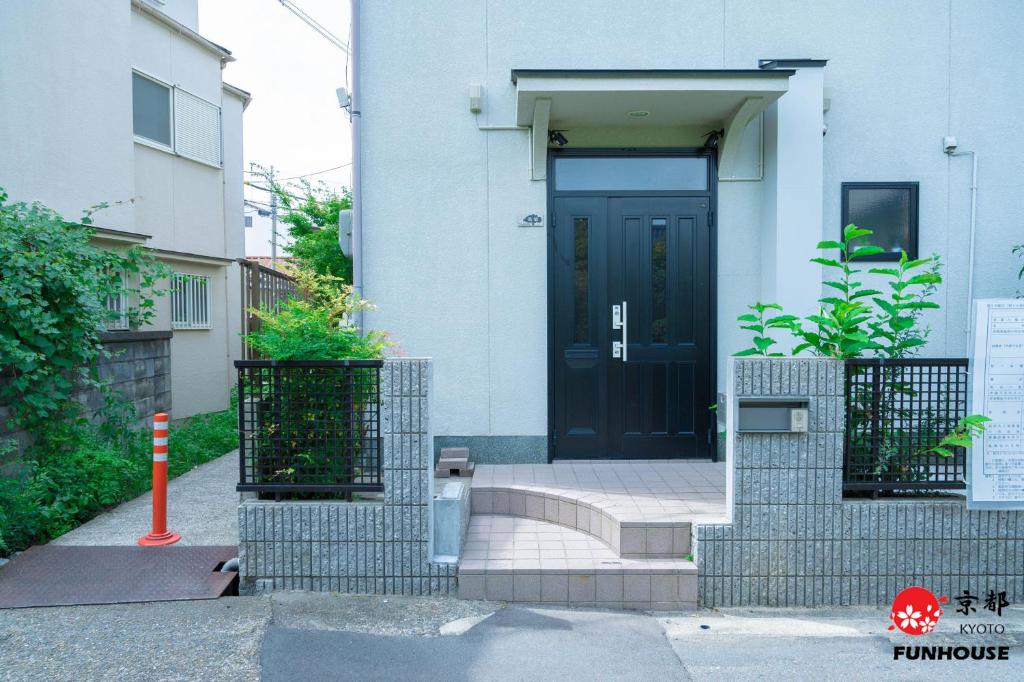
<point>529,560</point>
<point>639,508</point>
<point>631,531</point>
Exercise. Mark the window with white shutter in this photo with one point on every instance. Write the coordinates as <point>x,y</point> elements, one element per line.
<point>196,128</point>
<point>190,301</point>
<point>175,120</point>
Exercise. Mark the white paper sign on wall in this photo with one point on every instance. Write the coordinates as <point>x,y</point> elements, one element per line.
<point>996,462</point>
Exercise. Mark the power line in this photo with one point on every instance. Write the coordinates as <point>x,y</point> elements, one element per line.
<point>326,170</point>
<point>315,25</point>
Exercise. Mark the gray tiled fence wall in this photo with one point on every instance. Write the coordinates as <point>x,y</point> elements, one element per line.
<point>794,541</point>
<point>364,547</point>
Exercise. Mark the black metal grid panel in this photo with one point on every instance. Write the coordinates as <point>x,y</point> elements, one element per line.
<point>309,426</point>
<point>895,411</point>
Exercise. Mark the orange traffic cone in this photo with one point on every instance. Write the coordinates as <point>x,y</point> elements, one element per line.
<point>159,535</point>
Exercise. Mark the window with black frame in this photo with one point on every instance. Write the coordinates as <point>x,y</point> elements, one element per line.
<point>889,210</point>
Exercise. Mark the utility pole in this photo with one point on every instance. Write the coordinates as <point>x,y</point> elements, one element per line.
<point>273,220</point>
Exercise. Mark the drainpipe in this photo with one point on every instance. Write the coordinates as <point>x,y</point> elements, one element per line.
<point>356,117</point>
<point>950,143</point>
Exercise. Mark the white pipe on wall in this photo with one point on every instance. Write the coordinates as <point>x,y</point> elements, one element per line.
<point>970,249</point>
<point>357,184</point>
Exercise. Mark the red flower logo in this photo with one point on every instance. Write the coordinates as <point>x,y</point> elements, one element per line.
<point>916,611</point>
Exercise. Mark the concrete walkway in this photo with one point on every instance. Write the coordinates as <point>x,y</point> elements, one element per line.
<point>201,506</point>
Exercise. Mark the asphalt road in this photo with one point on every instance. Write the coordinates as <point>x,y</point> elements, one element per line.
<point>299,636</point>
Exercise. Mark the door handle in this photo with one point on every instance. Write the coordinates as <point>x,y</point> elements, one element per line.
<point>620,349</point>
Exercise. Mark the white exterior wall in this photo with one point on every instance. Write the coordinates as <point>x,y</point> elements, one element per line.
<point>455,279</point>
<point>67,140</point>
<point>48,96</point>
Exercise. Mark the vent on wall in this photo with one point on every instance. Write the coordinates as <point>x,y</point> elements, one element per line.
<point>196,128</point>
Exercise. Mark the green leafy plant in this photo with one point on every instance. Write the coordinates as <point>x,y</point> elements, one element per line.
<point>856,320</point>
<point>318,327</point>
<point>54,284</point>
<point>967,429</point>
<point>895,325</point>
<point>311,213</point>
<point>755,322</point>
<point>841,324</point>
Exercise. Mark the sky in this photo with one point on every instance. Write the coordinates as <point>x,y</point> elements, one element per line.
<point>293,122</point>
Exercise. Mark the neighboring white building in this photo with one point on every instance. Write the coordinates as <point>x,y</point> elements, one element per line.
<point>122,101</point>
<point>517,311</point>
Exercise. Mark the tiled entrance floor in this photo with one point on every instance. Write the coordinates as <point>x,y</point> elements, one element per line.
<point>651,490</point>
<point>529,560</point>
<point>639,508</point>
<point>608,533</point>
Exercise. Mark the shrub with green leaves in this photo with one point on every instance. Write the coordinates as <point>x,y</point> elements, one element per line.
<point>317,327</point>
<point>855,320</point>
<point>311,213</point>
<point>54,284</point>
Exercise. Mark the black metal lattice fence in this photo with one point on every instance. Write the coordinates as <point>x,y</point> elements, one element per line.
<point>308,427</point>
<point>896,410</point>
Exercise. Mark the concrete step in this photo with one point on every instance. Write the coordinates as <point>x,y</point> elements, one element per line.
<point>530,560</point>
<point>632,529</point>
<point>454,462</point>
<point>460,469</point>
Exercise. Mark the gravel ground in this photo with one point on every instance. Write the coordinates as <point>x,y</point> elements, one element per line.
<point>199,640</point>
<point>202,505</point>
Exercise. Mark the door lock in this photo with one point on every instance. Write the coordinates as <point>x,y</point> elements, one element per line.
<point>620,349</point>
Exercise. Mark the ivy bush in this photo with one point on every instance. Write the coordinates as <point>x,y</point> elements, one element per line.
<point>54,284</point>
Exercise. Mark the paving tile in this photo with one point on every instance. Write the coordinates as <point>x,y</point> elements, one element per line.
<point>498,586</point>
<point>659,541</point>
<point>582,588</point>
<point>471,586</point>
<point>526,587</point>
<point>664,588</point>
<point>636,588</point>
<point>554,587</point>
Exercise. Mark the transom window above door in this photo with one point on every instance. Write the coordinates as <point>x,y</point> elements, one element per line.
<point>631,173</point>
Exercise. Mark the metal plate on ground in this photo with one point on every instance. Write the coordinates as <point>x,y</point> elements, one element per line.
<point>66,575</point>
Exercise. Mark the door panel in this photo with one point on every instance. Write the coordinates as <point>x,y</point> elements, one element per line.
<point>659,263</point>
<point>653,255</point>
<point>580,335</point>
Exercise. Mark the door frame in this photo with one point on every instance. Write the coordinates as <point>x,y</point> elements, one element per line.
<point>711,194</point>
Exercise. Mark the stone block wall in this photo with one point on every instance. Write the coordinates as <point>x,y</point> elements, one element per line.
<point>138,368</point>
<point>380,547</point>
<point>794,540</point>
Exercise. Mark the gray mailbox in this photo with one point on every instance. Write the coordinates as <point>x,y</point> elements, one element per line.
<point>772,415</point>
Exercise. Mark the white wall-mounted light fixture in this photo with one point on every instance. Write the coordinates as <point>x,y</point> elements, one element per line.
<point>476,97</point>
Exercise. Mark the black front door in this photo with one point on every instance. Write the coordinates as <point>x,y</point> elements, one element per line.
<point>644,262</point>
